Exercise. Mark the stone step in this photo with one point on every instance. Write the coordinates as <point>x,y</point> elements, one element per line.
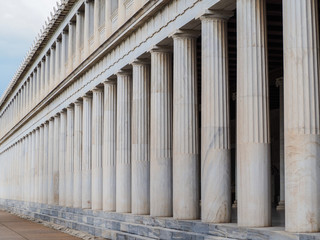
<point>103,228</point>
<point>147,227</point>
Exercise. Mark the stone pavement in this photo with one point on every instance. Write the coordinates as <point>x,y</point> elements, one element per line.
<point>15,228</point>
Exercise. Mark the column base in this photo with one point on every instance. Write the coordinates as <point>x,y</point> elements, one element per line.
<point>281,206</point>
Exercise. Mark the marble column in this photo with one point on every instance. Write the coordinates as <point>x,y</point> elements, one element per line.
<point>45,163</point>
<point>77,177</point>
<point>86,45</point>
<point>121,12</point>
<point>64,38</point>
<point>281,204</point>
<point>253,137</point>
<point>109,146</point>
<point>185,128</point>
<point>32,162</point>
<point>38,94</point>
<point>57,63</point>
<point>86,151</point>
<point>301,115</point>
<point>62,157</point>
<point>79,37</point>
<point>96,21</point>
<point>123,166</point>
<point>161,133</point>
<point>108,20</point>
<point>137,4</point>
<point>36,160</point>
<point>50,162</point>
<point>56,159</point>
<point>140,138</point>
<point>41,156</point>
<point>69,156</point>
<point>47,74</point>
<point>215,137</point>
<point>71,46</point>
<point>52,67</point>
<point>43,79</point>
<point>97,138</point>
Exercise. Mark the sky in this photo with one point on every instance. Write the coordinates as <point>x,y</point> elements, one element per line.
<point>20,23</point>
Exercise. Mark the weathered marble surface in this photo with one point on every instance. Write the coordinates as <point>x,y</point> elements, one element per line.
<point>253,131</point>
<point>121,226</point>
<point>161,133</point>
<point>185,128</point>
<point>301,116</point>
<point>140,138</point>
<point>215,137</point>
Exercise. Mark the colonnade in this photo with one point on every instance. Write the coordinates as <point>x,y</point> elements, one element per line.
<point>90,27</point>
<point>132,144</point>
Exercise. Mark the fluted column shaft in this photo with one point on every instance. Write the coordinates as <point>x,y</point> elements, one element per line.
<point>71,46</point>
<point>36,184</point>
<point>121,12</point>
<point>32,163</point>
<point>77,177</point>
<point>123,179</point>
<point>52,66</point>
<point>86,152</point>
<point>62,157</point>
<point>96,24</point>
<point>45,163</point>
<point>69,156</point>
<point>215,140</point>
<point>109,146</point>
<point>185,129</point>
<point>43,80</point>
<point>57,63</point>
<point>41,156</point>
<point>38,94</point>
<point>140,138</point>
<point>253,139</point>
<point>47,74</point>
<point>161,133</point>
<point>56,158</point>
<point>79,37</point>
<point>50,162</point>
<point>86,46</point>
<point>97,138</point>
<point>301,115</point>
<point>64,38</point>
<point>108,20</point>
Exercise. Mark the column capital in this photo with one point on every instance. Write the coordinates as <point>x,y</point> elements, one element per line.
<point>71,23</point>
<point>185,34</point>
<point>97,89</point>
<point>64,32</point>
<point>141,62</point>
<point>43,59</point>
<point>78,102</point>
<point>58,40</point>
<point>87,96</point>
<point>48,54</point>
<point>216,14</point>
<point>161,48</point>
<point>57,115</point>
<point>70,106</point>
<point>53,47</point>
<point>62,111</point>
<point>124,73</point>
<point>110,82</point>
